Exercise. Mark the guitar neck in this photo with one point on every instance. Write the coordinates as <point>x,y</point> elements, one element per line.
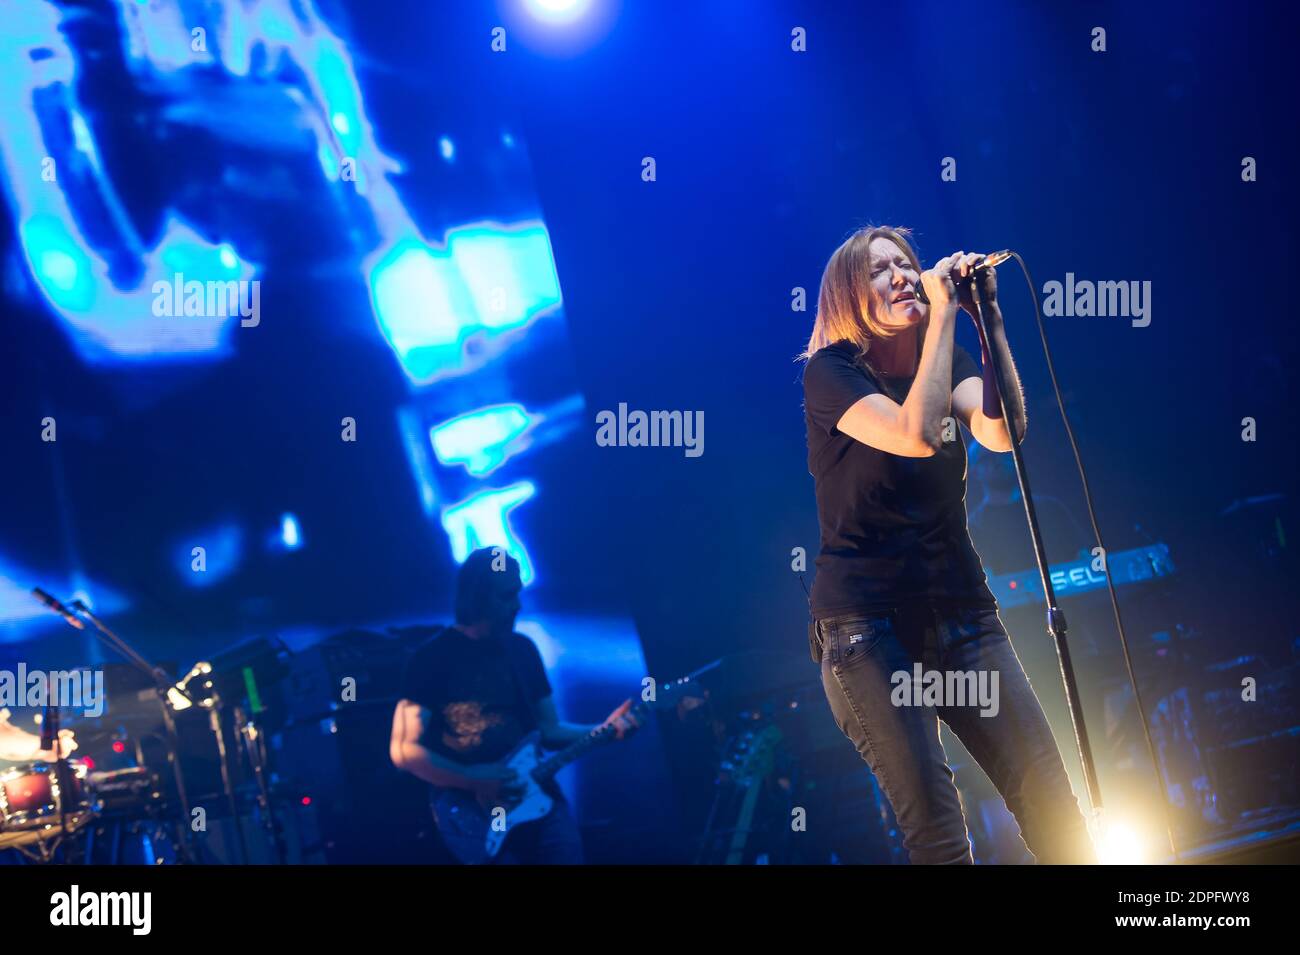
<point>557,761</point>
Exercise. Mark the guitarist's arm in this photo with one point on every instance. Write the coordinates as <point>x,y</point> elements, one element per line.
<point>409,720</point>
<point>556,733</point>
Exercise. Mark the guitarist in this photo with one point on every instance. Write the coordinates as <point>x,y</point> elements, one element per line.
<point>473,692</point>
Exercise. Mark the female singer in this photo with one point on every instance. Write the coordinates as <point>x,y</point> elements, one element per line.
<point>904,625</point>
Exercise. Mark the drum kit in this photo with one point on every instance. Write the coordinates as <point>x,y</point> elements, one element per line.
<point>40,805</point>
<point>66,804</point>
<point>137,807</point>
<point>45,805</point>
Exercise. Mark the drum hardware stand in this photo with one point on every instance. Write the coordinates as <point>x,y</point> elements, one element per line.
<point>214,720</point>
<point>47,847</point>
<point>210,700</point>
<point>50,740</point>
<point>45,850</point>
<point>165,688</point>
<point>255,747</point>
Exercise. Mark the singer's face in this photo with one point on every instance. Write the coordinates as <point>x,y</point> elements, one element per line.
<point>893,279</point>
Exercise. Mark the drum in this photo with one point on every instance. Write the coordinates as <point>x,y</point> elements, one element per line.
<point>133,793</point>
<point>37,795</point>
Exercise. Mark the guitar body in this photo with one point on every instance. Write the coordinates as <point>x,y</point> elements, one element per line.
<point>471,831</point>
<point>475,833</point>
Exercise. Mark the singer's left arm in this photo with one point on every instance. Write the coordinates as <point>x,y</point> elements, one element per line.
<point>975,401</point>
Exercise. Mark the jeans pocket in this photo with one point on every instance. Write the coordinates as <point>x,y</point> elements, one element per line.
<point>852,637</point>
<point>814,642</point>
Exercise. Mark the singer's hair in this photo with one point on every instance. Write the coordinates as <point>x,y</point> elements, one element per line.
<point>848,308</point>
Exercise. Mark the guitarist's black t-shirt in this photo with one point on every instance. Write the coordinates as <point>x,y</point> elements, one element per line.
<point>479,691</point>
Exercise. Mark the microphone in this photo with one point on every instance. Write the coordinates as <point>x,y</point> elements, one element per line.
<point>58,608</point>
<point>990,260</point>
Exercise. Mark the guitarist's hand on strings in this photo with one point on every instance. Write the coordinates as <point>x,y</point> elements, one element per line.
<point>495,782</point>
<point>622,721</point>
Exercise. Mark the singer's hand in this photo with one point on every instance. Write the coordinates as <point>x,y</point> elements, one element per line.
<point>988,289</point>
<point>938,282</point>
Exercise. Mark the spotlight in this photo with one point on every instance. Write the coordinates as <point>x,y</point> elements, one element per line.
<point>290,535</point>
<point>559,28</point>
<point>1119,844</point>
<point>557,11</point>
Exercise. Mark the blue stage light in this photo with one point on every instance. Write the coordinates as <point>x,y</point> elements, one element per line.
<point>61,266</point>
<point>557,11</point>
<point>488,280</point>
<point>223,550</point>
<point>20,613</point>
<point>446,148</point>
<point>290,534</point>
<point>88,259</point>
<point>481,440</point>
<point>411,424</point>
<point>483,520</point>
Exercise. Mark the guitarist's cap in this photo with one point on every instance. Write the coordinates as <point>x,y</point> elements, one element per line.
<point>487,587</point>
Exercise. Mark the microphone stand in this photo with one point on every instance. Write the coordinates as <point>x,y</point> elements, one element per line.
<point>163,686</point>
<point>50,740</point>
<point>215,706</point>
<point>254,745</point>
<point>1056,625</point>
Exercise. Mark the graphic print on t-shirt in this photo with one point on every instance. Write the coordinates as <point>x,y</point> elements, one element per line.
<point>467,723</point>
<point>479,693</point>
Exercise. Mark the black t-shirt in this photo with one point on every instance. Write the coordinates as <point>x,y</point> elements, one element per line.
<point>892,528</point>
<point>479,691</point>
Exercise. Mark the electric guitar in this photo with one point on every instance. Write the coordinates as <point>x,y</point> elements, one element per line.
<point>750,763</point>
<point>475,833</point>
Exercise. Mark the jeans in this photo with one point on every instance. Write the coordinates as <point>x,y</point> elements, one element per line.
<point>860,655</point>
